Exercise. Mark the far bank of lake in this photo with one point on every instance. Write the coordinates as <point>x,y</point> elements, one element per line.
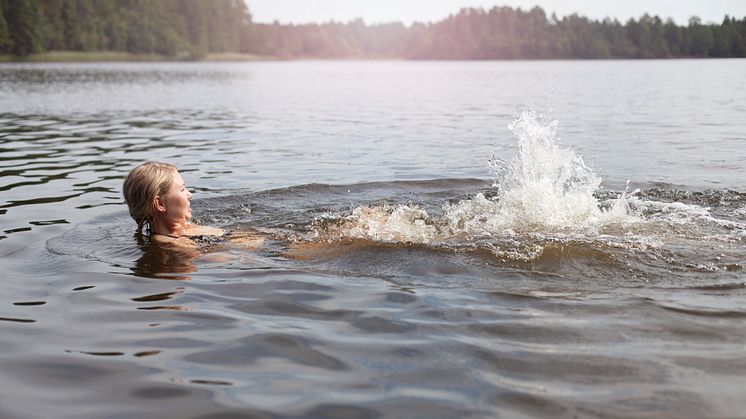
<point>121,56</point>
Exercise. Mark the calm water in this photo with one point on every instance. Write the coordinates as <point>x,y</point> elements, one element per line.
<point>432,249</point>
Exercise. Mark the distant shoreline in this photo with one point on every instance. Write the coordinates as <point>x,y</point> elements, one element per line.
<point>118,56</point>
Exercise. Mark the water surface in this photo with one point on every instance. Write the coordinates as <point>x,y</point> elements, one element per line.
<point>403,275</point>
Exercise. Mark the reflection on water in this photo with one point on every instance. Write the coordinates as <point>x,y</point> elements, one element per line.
<point>163,261</point>
<point>395,279</point>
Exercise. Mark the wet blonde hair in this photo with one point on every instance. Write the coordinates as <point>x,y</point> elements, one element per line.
<point>140,188</point>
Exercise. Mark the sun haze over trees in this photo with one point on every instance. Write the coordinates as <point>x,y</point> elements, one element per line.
<point>191,29</point>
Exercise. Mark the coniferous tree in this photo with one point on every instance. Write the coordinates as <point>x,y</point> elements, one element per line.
<point>194,28</point>
<point>52,30</point>
<point>6,43</point>
<point>24,23</point>
<point>700,38</point>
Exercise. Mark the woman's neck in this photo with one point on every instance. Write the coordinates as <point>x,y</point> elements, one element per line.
<point>167,229</point>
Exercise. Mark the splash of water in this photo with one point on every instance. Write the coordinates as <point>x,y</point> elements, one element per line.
<point>545,188</point>
<point>401,223</point>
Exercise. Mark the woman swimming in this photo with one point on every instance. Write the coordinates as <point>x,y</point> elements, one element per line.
<point>159,202</point>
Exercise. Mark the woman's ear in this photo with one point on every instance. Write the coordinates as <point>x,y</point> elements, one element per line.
<point>158,204</point>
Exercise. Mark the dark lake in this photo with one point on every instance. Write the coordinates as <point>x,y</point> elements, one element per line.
<point>444,239</point>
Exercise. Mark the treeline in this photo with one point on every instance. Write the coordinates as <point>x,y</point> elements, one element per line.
<point>166,27</point>
<point>506,33</point>
<point>193,28</point>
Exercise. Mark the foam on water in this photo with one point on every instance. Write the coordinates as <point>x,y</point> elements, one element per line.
<point>545,188</point>
<point>402,223</point>
<point>545,185</point>
<point>549,205</point>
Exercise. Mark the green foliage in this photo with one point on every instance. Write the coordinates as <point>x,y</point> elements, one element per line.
<point>6,42</point>
<point>505,33</point>
<point>167,27</point>
<point>195,28</point>
<point>24,25</point>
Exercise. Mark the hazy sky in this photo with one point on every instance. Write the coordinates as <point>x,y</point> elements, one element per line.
<point>376,11</point>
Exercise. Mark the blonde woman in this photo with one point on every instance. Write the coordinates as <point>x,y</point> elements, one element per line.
<point>159,202</point>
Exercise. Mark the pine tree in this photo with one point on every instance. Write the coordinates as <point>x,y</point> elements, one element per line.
<point>24,24</point>
<point>6,42</point>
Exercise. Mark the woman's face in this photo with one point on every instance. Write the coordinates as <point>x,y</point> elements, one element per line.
<point>176,201</point>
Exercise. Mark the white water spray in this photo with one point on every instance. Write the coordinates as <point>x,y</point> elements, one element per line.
<point>544,189</point>
<point>402,223</point>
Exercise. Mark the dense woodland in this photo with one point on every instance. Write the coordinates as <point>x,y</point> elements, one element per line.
<point>167,27</point>
<point>193,28</point>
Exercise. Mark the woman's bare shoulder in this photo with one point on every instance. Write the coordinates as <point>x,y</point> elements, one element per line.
<point>180,241</point>
<point>198,230</point>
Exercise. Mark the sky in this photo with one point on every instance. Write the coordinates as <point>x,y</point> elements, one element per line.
<point>407,11</point>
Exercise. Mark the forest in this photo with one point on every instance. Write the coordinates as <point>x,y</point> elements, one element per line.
<point>191,29</point>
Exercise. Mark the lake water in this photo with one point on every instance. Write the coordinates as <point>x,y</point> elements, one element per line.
<point>444,239</point>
